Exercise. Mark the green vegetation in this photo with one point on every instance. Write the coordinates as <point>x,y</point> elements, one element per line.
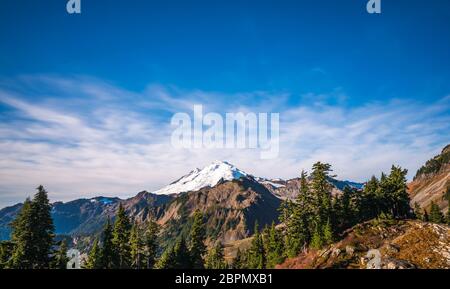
<point>215,258</point>
<point>317,218</point>
<point>436,215</point>
<point>435,164</point>
<point>32,243</point>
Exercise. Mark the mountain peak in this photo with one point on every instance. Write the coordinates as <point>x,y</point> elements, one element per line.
<point>209,176</point>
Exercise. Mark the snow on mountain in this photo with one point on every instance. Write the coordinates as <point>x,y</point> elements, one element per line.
<point>276,183</point>
<point>209,176</point>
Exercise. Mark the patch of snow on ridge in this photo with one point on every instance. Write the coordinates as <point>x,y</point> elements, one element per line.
<point>207,177</point>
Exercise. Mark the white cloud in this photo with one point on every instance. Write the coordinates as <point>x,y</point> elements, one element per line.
<point>81,137</point>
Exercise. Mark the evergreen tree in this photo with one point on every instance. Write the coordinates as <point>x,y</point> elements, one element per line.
<point>182,257</point>
<point>346,209</point>
<point>33,233</point>
<point>107,254</point>
<point>95,257</point>
<point>197,238</point>
<point>136,248</point>
<point>215,258</point>
<point>285,210</point>
<point>418,212</point>
<point>370,204</point>
<point>121,237</point>
<point>398,193</point>
<point>151,245</point>
<point>274,247</point>
<point>447,197</point>
<point>317,240</point>
<point>61,259</point>
<point>239,262</point>
<point>43,229</point>
<point>6,249</point>
<point>22,237</point>
<point>327,233</point>
<point>257,258</point>
<point>298,222</point>
<point>167,260</point>
<point>322,202</point>
<point>436,215</point>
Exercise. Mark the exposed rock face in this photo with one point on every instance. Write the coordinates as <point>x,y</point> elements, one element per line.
<point>432,181</point>
<point>231,209</point>
<point>290,188</point>
<point>399,244</point>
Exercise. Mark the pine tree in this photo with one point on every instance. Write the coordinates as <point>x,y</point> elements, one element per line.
<point>317,240</point>
<point>257,258</point>
<point>447,197</point>
<point>197,238</point>
<point>95,257</point>
<point>346,209</point>
<point>322,201</point>
<point>239,261</point>
<point>43,229</point>
<point>181,255</point>
<point>215,258</point>
<point>274,247</point>
<point>61,259</point>
<point>22,237</point>
<point>151,245</point>
<point>285,210</point>
<point>298,222</point>
<point>136,248</point>
<point>121,237</point>
<point>436,215</point>
<point>6,249</point>
<point>327,233</point>
<point>398,193</point>
<point>418,212</point>
<point>107,251</point>
<point>370,204</point>
<point>167,260</point>
<point>33,233</point>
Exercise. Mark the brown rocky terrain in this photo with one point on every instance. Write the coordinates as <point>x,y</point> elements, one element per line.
<point>401,244</point>
<point>432,182</point>
<point>231,209</point>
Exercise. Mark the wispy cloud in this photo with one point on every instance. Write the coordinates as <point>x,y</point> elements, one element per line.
<point>81,136</point>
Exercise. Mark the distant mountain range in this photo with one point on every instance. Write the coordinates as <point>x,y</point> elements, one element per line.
<point>231,198</point>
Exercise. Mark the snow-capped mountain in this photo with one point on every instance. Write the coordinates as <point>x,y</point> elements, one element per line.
<point>209,176</point>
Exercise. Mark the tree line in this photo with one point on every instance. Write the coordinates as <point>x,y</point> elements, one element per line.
<point>121,245</point>
<point>434,214</point>
<point>315,219</point>
<point>32,244</point>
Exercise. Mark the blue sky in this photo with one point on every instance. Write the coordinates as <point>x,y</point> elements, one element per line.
<point>85,100</point>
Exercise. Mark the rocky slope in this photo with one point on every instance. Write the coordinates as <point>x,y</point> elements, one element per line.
<point>231,209</point>
<point>231,198</point>
<point>288,189</point>
<point>432,181</point>
<point>401,244</point>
